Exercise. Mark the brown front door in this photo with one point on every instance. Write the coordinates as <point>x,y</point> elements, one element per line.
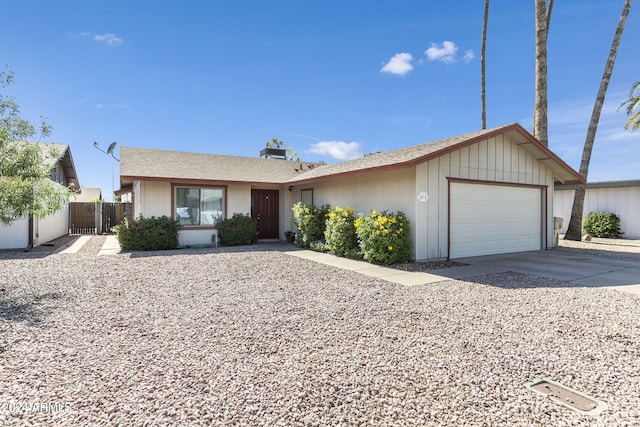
<point>264,208</point>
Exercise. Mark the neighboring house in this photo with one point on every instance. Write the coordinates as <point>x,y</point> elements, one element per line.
<point>33,231</point>
<point>87,195</point>
<point>619,197</point>
<point>481,193</point>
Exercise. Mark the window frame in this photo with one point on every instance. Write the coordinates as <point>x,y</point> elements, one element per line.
<point>174,198</point>
<point>306,193</point>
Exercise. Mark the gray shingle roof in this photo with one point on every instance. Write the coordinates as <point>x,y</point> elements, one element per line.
<point>409,156</point>
<point>161,164</point>
<point>52,152</point>
<point>136,163</point>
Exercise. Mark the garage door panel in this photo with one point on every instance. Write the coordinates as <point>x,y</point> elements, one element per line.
<point>492,219</point>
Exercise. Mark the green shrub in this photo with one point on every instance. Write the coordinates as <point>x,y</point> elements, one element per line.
<point>602,224</point>
<point>148,234</point>
<point>384,237</point>
<point>310,222</point>
<point>318,246</point>
<point>340,233</point>
<point>238,230</point>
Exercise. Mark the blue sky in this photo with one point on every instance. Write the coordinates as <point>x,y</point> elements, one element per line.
<point>333,79</point>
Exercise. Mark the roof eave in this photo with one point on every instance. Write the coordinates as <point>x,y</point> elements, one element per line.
<point>127,179</point>
<point>563,172</point>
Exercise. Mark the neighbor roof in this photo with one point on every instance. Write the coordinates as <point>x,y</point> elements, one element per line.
<point>151,164</point>
<point>87,195</point>
<point>601,184</point>
<point>52,152</point>
<point>410,156</point>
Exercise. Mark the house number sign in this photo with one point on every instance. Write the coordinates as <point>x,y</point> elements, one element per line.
<point>423,197</point>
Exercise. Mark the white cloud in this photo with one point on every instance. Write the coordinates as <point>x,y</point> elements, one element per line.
<point>445,53</point>
<point>110,39</point>
<point>399,64</point>
<point>112,106</point>
<point>468,56</point>
<point>337,149</point>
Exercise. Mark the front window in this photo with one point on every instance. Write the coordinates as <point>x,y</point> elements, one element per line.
<point>199,206</point>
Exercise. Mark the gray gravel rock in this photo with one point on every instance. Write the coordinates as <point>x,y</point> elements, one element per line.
<point>246,337</point>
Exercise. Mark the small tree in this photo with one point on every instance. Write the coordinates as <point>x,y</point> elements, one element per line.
<point>575,222</point>
<point>25,187</point>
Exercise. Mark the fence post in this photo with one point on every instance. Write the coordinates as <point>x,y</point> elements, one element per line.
<point>98,217</point>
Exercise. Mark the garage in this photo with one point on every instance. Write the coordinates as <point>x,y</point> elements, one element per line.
<point>487,219</point>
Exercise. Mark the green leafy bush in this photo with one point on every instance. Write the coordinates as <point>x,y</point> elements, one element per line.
<point>310,222</point>
<point>602,224</point>
<point>238,230</point>
<point>148,234</point>
<point>340,232</point>
<point>384,237</point>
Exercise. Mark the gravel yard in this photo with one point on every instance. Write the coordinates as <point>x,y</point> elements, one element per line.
<point>251,337</point>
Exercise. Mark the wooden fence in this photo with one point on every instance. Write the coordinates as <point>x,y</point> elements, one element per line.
<point>96,218</point>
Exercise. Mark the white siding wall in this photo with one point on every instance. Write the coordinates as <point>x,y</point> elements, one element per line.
<point>153,198</point>
<point>51,227</point>
<point>15,235</point>
<point>392,191</point>
<point>238,199</point>
<point>287,200</point>
<point>496,159</point>
<point>622,201</point>
<point>44,230</point>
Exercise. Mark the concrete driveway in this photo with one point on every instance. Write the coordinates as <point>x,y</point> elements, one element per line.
<point>580,268</point>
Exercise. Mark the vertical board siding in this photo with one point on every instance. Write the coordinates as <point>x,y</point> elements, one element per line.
<point>622,201</point>
<point>491,159</point>
<point>496,159</point>
<point>433,205</point>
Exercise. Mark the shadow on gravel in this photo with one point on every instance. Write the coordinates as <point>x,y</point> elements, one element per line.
<point>23,255</point>
<point>41,251</point>
<point>31,310</point>
<point>202,250</point>
<point>512,280</point>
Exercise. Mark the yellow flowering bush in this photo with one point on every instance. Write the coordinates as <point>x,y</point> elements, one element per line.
<point>384,237</point>
<point>340,232</point>
<point>310,222</point>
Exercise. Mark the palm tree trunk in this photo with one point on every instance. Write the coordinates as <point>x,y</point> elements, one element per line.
<point>540,121</point>
<point>574,231</point>
<point>483,72</point>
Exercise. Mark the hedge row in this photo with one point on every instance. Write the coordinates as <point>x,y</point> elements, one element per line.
<point>378,237</point>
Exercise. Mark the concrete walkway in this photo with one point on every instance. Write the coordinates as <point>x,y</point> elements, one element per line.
<point>586,270</point>
<point>389,274</point>
<point>110,246</point>
<point>77,244</point>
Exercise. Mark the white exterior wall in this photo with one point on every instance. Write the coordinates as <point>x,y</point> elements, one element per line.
<point>495,159</point>
<point>238,200</point>
<point>45,229</point>
<point>391,190</point>
<point>15,235</point>
<point>287,200</point>
<point>153,198</point>
<point>51,227</point>
<point>622,201</point>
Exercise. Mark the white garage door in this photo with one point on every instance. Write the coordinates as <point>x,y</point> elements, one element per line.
<point>494,219</point>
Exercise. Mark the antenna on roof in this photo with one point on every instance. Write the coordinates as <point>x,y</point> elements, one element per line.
<point>112,146</point>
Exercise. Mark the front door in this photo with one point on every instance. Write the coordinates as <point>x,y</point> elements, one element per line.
<point>264,208</point>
